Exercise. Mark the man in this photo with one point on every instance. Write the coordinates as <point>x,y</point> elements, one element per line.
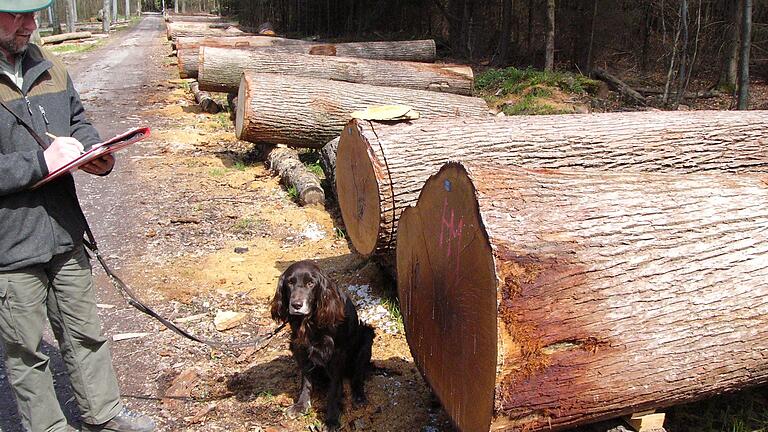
<point>44,269</point>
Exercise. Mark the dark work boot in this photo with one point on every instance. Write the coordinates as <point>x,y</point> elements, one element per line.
<point>125,421</point>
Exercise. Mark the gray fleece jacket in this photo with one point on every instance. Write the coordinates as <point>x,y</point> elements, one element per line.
<point>37,224</point>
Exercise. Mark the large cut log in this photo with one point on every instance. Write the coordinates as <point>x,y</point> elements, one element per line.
<point>418,51</point>
<point>220,70</point>
<point>196,18</point>
<point>188,48</point>
<point>542,299</point>
<point>306,112</point>
<point>53,39</point>
<point>285,163</point>
<point>176,30</point>
<point>382,167</point>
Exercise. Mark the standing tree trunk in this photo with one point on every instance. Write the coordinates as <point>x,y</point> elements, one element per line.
<point>114,11</point>
<point>220,70</point>
<point>381,167</point>
<point>306,112</point>
<point>730,63</point>
<point>71,16</point>
<point>55,20</point>
<point>537,300</point>
<point>549,55</point>
<point>508,7</point>
<point>746,38</point>
<point>105,20</point>
<point>176,6</point>
<point>127,9</point>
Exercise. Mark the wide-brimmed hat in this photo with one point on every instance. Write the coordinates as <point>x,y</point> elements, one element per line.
<point>21,6</point>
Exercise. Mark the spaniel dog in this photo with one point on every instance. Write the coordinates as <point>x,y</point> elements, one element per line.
<point>327,339</point>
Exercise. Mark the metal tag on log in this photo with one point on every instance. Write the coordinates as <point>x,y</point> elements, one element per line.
<point>386,112</point>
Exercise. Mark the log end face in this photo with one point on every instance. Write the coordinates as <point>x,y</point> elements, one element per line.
<point>357,187</point>
<point>447,292</point>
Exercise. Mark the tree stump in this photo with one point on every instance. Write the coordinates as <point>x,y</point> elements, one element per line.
<point>220,70</point>
<point>382,167</point>
<point>544,299</point>
<point>306,112</point>
<point>188,48</point>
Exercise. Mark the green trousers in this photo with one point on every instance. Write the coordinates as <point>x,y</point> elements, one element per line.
<point>62,290</point>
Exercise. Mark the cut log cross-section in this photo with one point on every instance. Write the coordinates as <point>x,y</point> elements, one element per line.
<point>382,167</point>
<point>545,299</point>
<point>220,70</point>
<point>188,48</point>
<point>306,112</point>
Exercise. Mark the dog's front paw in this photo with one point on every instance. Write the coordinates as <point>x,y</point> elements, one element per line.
<point>297,410</point>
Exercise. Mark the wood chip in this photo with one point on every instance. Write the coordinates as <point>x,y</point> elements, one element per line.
<point>125,336</point>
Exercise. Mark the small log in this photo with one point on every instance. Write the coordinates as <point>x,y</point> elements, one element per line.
<point>220,70</point>
<point>204,100</point>
<point>176,30</point>
<point>619,86</point>
<point>702,94</point>
<point>382,167</point>
<point>54,39</point>
<point>189,48</point>
<point>195,18</point>
<point>305,112</point>
<point>285,162</point>
<point>538,300</point>
<point>328,162</point>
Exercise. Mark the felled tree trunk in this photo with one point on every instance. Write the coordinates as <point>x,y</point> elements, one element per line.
<point>48,40</point>
<point>188,48</point>
<point>220,70</point>
<point>285,163</point>
<point>305,112</point>
<point>176,30</point>
<point>544,299</point>
<point>382,167</point>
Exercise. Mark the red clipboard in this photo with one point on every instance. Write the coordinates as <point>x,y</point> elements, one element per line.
<point>98,150</point>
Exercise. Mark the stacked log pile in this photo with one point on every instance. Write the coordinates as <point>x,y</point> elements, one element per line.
<point>179,29</point>
<point>382,167</point>
<point>544,299</point>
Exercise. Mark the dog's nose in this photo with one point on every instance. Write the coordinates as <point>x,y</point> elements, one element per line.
<point>297,305</point>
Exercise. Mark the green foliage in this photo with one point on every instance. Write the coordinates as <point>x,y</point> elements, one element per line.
<point>392,305</point>
<point>239,165</point>
<point>530,105</point>
<point>339,232</point>
<point>216,172</point>
<point>72,48</point>
<point>293,193</point>
<point>746,411</point>
<point>513,81</point>
<point>316,169</point>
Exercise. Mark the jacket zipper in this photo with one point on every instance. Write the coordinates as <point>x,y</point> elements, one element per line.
<point>45,117</point>
<point>29,104</point>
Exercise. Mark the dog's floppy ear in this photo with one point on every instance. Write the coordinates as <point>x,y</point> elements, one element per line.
<point>329,308</point>
<point>279,307</point>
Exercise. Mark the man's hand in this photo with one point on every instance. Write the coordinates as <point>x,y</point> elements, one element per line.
<point>62,151</point>
<point>99,166</point>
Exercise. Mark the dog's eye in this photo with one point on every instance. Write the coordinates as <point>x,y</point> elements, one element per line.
<point>311,284</point>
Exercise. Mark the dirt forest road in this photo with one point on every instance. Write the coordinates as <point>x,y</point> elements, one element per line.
<point>195,226</point>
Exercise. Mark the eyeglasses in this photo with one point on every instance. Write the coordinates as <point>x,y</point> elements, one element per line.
<point>19,17</point>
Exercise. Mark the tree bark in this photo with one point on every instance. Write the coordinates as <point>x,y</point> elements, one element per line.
<point>306,112</point>
<point>220,70</point>
<point>65,37</point>
<point>746,39</point>
<point>382,167</point>
<point>188,48</point>
<point>328,161</point>
<point>543,299</point>
<point>71,16</point>
<point>285,163</point>
<point>730,66</point>
<point>55,21</point>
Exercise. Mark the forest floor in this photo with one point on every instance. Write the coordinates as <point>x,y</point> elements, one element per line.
<point>197,225</point>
